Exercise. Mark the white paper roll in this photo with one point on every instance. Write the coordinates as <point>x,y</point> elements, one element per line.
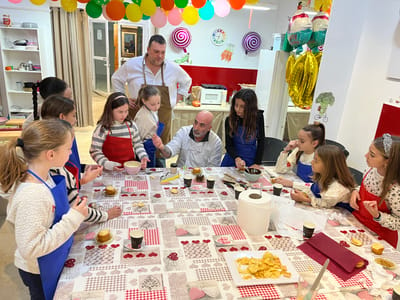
<point>254,211</point>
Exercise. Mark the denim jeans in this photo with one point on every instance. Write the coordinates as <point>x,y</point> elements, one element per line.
<point>34,283</point>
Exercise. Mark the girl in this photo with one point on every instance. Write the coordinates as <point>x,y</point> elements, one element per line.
<point>333,181</point>
<point>58,107</point>
<point>309,138</point>
<point>146,120</point>
<point>244,132</point>
<point>48,86</point>
<point>116,138</point>
<point>39,208</point>
<point>377,204</point>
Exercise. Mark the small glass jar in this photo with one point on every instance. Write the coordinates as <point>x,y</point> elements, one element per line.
<point>173,168</point>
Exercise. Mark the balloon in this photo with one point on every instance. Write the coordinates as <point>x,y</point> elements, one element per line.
<point>319,26</point>
<point>167,4</point>
<point>237,4</point>
<point>126,5</point>
<point>148,7</point>
<point>83,1</point>
<point>175,16</point>
<point>159,19</point>
<point>105,15</point>
<point>157,2</point>
<point>144,17</point>
<point>137,2</point>
<point>181,38</point>
<point>93,10</point>
<point>252,1</point>
<point>38,2</point>
<point>221,8</point>
<point>181,3</point>
<point>69,5</point>
<point>14,1</point>
<point>100,2</point>
<point>251,42</point>
<point>190,15</point>
<point>133,12</point>
<point>198,3</point>
<point>207,11</point>
<point>299,29</point>
<point>115,10</point>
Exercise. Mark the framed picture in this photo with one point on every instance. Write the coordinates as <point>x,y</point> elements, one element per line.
<point>128,42</point>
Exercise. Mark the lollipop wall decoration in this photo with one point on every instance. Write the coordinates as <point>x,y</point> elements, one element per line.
<point>251,42</point>
<point>181,38</point>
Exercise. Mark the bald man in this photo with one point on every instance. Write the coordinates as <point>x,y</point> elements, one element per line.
<point>197,145</point>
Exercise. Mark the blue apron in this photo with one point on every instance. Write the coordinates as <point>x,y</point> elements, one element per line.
<point>151,149</point>
<point>52,264</point>
<point>246,150</point>
<point>316,191</point>
<point>74,163</point>
<point>304,171</point>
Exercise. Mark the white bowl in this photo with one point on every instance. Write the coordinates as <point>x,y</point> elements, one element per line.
<point>252,174</point>
<point>132,167</point>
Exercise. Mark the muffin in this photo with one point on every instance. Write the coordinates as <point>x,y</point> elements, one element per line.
<point>104,235</point>
<point>110,190</point>
<point>196,171</point>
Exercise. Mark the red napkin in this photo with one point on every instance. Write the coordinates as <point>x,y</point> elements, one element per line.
<point>343,261</point>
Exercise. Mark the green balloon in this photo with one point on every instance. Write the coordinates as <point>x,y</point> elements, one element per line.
<point>137,2</point>
<point>99,2</point>
<point>126,4</point>
<point>181,3</point>
<point>93,10</point>
<point>145,17</point>
<point>158,3</point>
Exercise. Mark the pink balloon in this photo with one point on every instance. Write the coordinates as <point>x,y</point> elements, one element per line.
<point>159,19</point>
<point>14,1</point>
<point>175,16</point>
<point>221,8</point>
<point>105,13</point>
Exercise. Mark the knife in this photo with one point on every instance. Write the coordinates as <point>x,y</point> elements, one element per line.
<point>316,282</point>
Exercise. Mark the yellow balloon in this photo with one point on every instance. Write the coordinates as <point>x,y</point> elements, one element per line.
<point>190,15</point>
<point>148,7</point>
<point>133,12</point>
<point>38,2</point>
<point>69,5</point>
<point>252,1</point>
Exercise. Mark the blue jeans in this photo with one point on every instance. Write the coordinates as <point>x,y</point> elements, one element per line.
<point>34,283</point>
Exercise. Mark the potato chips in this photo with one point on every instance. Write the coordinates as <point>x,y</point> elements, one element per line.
<point>269,266</point>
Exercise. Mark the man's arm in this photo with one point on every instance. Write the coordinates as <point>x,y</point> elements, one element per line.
<point>160,146</point>
<point>184,83</point>
<point>118,79</point>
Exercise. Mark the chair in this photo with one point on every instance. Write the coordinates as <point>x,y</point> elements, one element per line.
<point>272,149</point>
<point>343,148</point>
<point>358,175</point>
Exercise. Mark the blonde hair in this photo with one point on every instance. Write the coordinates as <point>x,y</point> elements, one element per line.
<point>37,137</point>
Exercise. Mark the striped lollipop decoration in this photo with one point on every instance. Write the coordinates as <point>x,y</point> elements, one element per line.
<point>251,42</point>
<point>181,38</point>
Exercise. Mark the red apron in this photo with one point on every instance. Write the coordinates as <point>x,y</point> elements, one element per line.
<point>119,149</point>
<point>366,218</point>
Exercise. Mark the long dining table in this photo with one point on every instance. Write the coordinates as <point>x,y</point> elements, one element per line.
<point>188,233</point>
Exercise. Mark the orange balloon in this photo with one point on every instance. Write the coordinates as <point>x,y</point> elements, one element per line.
<point>83,1</point>
<point>167,4</point>
<point>115,10</point>
<point>199,3</point>
<point>237,4</point>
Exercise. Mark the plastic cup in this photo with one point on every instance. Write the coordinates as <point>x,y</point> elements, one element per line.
<point>210,182</point>
<point>238,190</point>
<point>308,229</point>
<point>136,238</point>
<point>187,180</point>
<point>277,189</point>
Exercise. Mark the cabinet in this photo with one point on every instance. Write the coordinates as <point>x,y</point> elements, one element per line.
<point>17,100</point>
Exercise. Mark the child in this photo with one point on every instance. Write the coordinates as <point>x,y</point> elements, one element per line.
<point>377,204</point>
<point>116,138</point>
<point>244,132</point>
<point>48,86</point>
<point>333,181</point>
<point>309,138</point>
<point>58,107</point>
<point>146,119</point>
<point>39,208</point>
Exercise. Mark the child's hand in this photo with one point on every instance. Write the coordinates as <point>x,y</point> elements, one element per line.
<point>259,167</point>
<point>292,144</point>
<point>355,197</point>
<point>299,196</point>
<point>91,173</point>
<point>283,181</point>
<point>132,103</point>
<point>240,163</point>
<point>111,165</point>
<point>143,162</point>
<point>372,208</point>
<point>81,206</point>
<point>157,142</point>
<point>114,212</point>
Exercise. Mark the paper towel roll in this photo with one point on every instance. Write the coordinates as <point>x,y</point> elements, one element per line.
<point>254,210</point>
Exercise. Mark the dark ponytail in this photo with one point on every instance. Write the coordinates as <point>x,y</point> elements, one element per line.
<point>35,88</point>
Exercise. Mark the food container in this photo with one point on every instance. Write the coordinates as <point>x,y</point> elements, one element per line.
<point>132,167</point>
<point>252,174</point>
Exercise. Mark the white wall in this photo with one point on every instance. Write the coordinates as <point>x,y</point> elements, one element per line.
<point>355,70</point>
<point>25,11</point>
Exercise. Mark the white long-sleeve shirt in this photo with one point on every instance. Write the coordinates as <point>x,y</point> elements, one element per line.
<point>147,122</point>
<point>131,72</point>
<point>31,211</point>
<point>335,193</point>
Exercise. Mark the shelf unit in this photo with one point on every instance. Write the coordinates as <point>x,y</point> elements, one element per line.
<point>16,102</point>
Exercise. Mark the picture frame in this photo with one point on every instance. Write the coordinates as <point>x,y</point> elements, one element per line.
<point>129,42</point>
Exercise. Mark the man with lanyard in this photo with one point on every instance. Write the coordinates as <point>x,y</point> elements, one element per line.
<point>152,69</point>
<point>197,145</point>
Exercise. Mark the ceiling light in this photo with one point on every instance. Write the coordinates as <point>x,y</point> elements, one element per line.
<point>256,7</point>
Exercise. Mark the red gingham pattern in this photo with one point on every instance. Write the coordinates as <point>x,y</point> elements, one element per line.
<point>196,220</point>
<point>233,230</point>
<point>318,297</point>
<point>148,295</point>
<point>151,236</point>
<point>360,279</point>
<point>266,291</point>
<point>106,283</point>
<point>141,185</point>
<point>212,209</point>
<point>198,250</point>
<point>217,274</point>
